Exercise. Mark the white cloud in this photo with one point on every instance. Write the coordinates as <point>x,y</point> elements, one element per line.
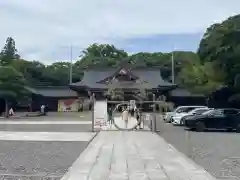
<point>41,28</point>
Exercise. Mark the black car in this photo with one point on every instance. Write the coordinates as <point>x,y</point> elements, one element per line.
<point>215,119</point>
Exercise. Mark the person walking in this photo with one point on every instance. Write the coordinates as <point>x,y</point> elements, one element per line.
<point>42,109</point>
<point>11,112</point>
<point>138,118</point>
<point>125,115</point>
<point>132,111</point>
<point>110,116</point>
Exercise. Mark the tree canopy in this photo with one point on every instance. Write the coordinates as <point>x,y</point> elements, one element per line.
<point>9,52</point>
<point>216,63</point>
<point>220,44</point>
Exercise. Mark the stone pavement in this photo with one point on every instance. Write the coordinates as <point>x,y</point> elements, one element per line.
<point>133,155</point>
<point>8,133</point>
<point>45,136</point>
<point>44,122</point>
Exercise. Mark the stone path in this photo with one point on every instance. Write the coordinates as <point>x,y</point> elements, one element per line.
<point>45,122</point>
<point>45,136</point>
<point>120,155</point>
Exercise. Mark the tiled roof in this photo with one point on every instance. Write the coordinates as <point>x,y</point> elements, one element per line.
<point>53,91</point>
<point>151,76</point>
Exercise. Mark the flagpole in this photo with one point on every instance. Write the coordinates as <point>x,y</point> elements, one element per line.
<point>173,68</point>
<point>71,66</point>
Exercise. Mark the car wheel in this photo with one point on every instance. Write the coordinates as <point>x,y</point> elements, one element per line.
<point>238,129</point>
<point>200,127</point>
<point>171,120</point>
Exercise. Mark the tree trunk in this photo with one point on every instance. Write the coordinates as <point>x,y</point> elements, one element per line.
<point>6,109</point>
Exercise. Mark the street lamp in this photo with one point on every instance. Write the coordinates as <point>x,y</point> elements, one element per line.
<point>71,66</point>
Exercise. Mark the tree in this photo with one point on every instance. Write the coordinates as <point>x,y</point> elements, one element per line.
<point>9,52</point>
<point>103,55</point>
<point>12,85</point>
<point>201,78</point>
<point>221,44</point>
<point>60,71</point>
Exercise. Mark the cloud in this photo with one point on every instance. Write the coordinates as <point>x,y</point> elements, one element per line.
<point>44,29</point>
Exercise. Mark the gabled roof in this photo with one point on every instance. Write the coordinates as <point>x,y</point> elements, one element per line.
<point>151,76</point>
<point>119,71</point>
<point>53,91</point>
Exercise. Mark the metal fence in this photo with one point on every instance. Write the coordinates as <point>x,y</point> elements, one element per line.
<point>149,110</point>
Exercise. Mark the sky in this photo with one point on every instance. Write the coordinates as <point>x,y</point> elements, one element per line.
<point>44,30</point>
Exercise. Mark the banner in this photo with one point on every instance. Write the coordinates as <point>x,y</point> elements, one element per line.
<point>68,105</point>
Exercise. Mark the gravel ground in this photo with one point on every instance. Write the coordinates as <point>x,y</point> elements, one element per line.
<point>218,152</point>
<point>37,160</point>
<point>46,127</point>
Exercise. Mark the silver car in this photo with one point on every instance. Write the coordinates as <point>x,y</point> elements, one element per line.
<point>168,116</point>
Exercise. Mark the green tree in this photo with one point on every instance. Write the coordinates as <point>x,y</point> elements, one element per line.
<point>201,78</point>
<point>12,85</point>
<point>221,44</point>
<point>59,73</point>
<point>9,52</point>
<point>101,55</point>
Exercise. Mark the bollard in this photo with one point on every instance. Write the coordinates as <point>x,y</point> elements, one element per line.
<point>153,120</point>
<point>142,120</point>
<point>154,114</point>
<point>93,118</point>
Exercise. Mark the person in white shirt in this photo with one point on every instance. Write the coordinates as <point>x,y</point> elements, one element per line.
<point>11,112</point>
<point>42,108</point>
<point>125,115</point>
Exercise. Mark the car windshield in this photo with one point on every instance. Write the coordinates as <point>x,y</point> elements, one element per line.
<point>185,109</point>
<point>215,112</point>
<point>200,111</point>
<point>208,112</point>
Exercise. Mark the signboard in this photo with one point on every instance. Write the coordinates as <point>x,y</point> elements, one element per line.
<point>68,105</point>
<point>132,104</point>
<point>100,115</point>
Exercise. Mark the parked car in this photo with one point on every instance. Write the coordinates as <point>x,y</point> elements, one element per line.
<point>215,119</point>
<point>178,118</point>
<point>180,109</point>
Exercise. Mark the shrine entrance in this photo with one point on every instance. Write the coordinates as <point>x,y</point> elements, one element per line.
<point>141,116</point>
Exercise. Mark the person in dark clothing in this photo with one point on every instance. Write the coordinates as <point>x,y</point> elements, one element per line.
<point>132,111</point>
<point>138,116</point>
<point>110,115</point>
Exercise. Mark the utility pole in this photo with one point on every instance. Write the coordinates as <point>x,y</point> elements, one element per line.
<point>173,68</point>
<point>71,66</point>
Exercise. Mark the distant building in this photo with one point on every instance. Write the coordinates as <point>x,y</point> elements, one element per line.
<point>129,80</point>
<point>55,98</point>
<point>125,78</point>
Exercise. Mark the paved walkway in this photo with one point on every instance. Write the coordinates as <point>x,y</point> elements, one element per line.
<point>45,122</point>
<point>45,136</point>
<point>133,155</point>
